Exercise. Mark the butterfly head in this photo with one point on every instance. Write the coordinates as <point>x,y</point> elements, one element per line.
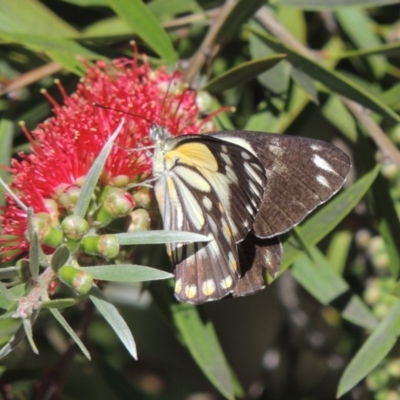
<point>158,133</point>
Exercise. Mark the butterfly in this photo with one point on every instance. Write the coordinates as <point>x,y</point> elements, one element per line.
<point>241,189</point>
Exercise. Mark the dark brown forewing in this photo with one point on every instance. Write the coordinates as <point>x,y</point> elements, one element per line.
<point>255,256</point>
<point>301,174</point>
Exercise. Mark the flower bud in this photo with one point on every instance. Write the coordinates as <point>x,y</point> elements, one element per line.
<point>120,181</point>
<point>79,280</point>
<point>47,234</point>
<point>140,221</point>
<point>69,197</point>
<point>105,245</point>
<point>116,203</point>
<point>52,208</point>
<point>74,227</point>
<point>143,198</point>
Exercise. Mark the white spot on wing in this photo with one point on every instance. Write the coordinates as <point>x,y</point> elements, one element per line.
<point>323,164</point>
<point>254,188</point>
<point>323,181</point>
<point>252,173</point>
<point>207,203</point>
<point>316,147</point>
<point>245,155</point>
<point>278,151</point>
<point>227,159</point>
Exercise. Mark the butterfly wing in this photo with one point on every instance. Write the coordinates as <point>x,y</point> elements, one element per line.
<point>255,256</point>
<point>301,174</point>
<point>212,187</point>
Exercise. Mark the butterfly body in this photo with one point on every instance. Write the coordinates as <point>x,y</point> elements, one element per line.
<point>240,189</point>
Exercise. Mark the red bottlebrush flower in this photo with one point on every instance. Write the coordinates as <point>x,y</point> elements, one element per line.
<point>65,146</point>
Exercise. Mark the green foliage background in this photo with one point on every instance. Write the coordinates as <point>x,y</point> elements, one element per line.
<point>328,326</point>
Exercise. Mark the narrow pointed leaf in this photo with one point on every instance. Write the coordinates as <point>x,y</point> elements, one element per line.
<point>333,80</point>
<point>32,16</point>
<point>113,317</point>
<point>60,257</point>
<point>157,237</point>
<point>330,4</point>
<point>320,279</point>
<point>48,44</point>
<point>33,248</point>
<point>146,25</point>
<point>57,315</point>
<point>242,73</point>
<point>94,174</point>
<point>202,342</point>
<point>374,350</point>
<point>126,273</point>
<point>26,323</point>
<point>239,14</point>
<point>58,304</point>
<point>13,342</point>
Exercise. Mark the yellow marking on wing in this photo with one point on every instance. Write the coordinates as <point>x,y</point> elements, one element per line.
<point>194,154</point>
<point>178,286</point>
<point>190,291</point>
<point>226,283</point>
<point>233,262</point>
<point>208,287</point>
<point>228,232</point>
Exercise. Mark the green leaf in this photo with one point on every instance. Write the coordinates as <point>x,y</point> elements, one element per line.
<point>388,222</point>
<point>306,83</point>
<point>6,300</point>
<point>60,257</point>
<point>330,4</point>
<point>112,316</point>
<point>8,272</point>
<point>338,250</point>
<point>392,96</point>
<point>49,44</point>
<point>386,49</point>
<point>340,117</point>
<point>58,303</point>
<point>169,8</point>
<point>57,315</point>
<point>146,25</point>
<point>319,278</point>
<point>357,25</point>
<point>374,350</point>
<point>94,174</point>
<point>33,248</point>
<point>322,222</point>
<point>13,342</point>
<point>277,79</point>
<point>126,273</point>
<point>26,323</point>
<point>157,237</point>
<point>239,14</point>
<point>242,73</point>
<point>334,81</point>
<point>202,342</point>
<point>6,141</point>
<point>9,296</point>
<point>32,16</point>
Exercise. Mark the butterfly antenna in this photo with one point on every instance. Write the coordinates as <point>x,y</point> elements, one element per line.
<point>123,112</point>
<point>164,101</point>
